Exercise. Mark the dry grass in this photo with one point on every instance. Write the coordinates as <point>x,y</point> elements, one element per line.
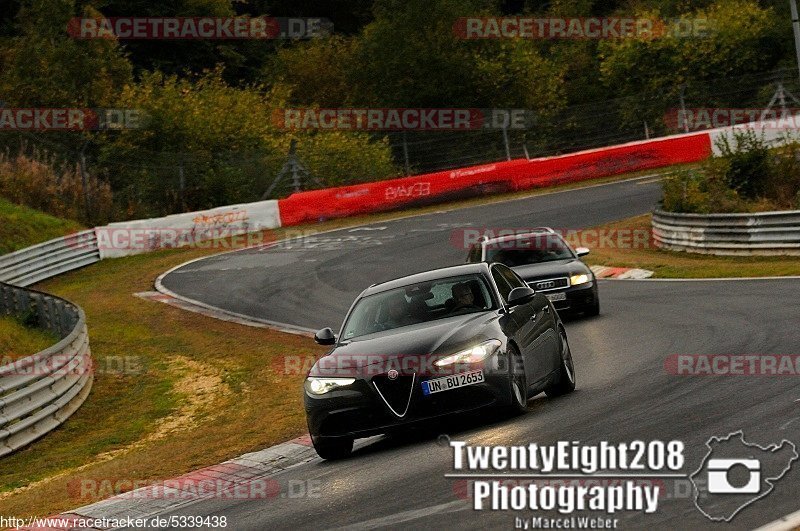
<point>38,181</point>
<point>18,341</point>
<point>196,394</point>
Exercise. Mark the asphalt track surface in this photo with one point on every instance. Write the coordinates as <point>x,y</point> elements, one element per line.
<point>623,393</point>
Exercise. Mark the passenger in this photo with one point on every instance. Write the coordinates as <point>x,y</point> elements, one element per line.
<point>397,313</point>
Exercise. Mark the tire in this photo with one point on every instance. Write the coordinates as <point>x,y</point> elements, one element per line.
<point>517,383</point>
<point>566,378</point>
<point>332,448</point>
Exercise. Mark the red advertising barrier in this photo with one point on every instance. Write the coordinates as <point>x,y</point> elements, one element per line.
<point>519,174</point>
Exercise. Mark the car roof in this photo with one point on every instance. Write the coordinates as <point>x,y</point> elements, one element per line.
<point>532,232</point>
<point>426,276</point>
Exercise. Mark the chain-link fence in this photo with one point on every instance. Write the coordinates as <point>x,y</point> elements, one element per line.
<point>684,108</point>
<point>169,182</point>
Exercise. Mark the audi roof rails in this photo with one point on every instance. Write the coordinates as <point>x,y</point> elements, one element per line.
<point>535,230</point>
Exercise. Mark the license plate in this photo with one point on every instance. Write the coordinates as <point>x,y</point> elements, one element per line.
<point>556,296</point>
<point>451,382</point>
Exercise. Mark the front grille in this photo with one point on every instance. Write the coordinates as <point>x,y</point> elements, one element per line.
<point>458,399</point>
<point>395,393</point>
<point>546,284</point>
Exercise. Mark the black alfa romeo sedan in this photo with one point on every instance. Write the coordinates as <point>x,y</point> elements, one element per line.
<point>432,344</point>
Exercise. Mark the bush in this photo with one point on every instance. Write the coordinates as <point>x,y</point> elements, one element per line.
<point>747,177</point>
<point>748,165</point>
<point>339,158</point>
<point>693,191</point>
<point>224,142</point>
<point>37,181</point>
<point>783,184</point>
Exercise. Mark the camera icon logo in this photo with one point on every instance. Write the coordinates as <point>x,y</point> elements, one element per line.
<point>736,473</point>
<point>718,470</point>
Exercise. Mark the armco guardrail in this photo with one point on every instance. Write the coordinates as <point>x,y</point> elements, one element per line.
<point>34,264</point>
<point>39,392</point>
<point>764,233</point>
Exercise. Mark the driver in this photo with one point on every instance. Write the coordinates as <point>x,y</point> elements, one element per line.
<point>463,296</point>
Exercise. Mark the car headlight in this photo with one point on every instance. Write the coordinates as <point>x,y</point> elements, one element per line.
<point>471,355</point>
<point>320,386</point>
<point>574,280</point>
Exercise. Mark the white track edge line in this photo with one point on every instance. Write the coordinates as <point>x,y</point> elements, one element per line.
<point>786,523</point>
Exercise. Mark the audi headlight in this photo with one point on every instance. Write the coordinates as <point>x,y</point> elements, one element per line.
<point>574,280</point>
<point>471,355</point>
<point>320,386</point>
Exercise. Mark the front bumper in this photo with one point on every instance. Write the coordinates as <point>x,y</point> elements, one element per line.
<point>578,298</point>
<point>360,411</point>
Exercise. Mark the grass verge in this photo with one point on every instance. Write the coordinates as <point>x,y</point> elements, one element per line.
<point>18,340</point>
<point>674,264</point>
<point>21,226</point>
<point>174,391</point>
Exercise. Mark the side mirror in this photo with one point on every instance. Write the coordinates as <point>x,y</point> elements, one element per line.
<point>520,296</point>
<point>325,337</point>
<point>582,251</point>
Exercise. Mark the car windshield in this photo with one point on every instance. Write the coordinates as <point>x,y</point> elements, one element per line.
<point>533,249</point>
<point>418,303</point>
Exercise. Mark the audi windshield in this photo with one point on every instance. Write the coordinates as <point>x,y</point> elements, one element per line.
<point>528,250</point>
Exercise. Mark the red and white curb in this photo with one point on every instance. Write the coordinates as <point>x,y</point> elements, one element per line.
<point>246,476</point>
<point>620,273</point>
<point>250,476</point>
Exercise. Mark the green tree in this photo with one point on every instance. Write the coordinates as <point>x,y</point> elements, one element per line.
<point>242,58</point>
<point>742,38</point>
<point>224,142</point>
<point>316,71</point>
<point>412,56</point>
<point>43,66</point>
